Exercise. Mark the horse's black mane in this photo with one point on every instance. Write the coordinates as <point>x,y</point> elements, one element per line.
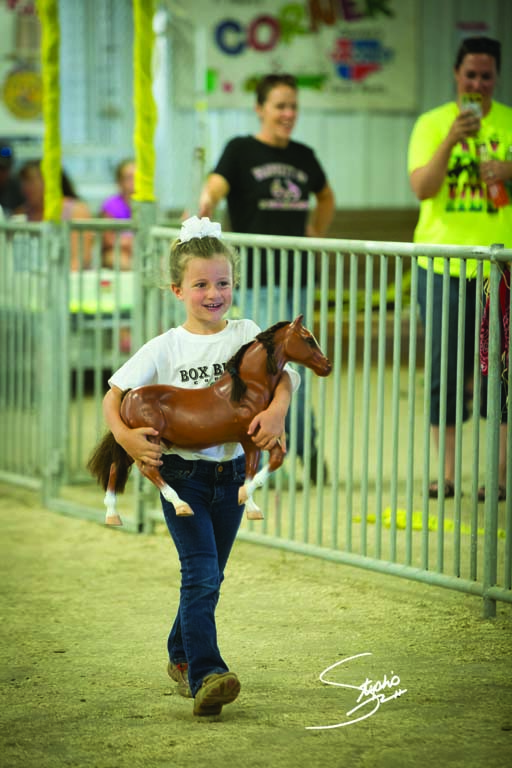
<point>233,365</point>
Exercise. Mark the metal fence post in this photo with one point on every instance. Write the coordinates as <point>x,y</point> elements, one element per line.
<point>493,429</point>
<point>144,216</point>
<point>54,344</point>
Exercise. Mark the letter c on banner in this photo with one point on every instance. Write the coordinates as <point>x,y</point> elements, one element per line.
<point>254,28</point>
<point>223,29</point>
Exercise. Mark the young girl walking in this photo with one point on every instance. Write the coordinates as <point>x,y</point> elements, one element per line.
<point>204,271</point>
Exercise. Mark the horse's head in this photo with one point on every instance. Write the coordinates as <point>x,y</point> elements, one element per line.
<point>300,346</point>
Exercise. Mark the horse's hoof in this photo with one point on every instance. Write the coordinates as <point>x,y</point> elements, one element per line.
<point>254,514</point>
<point>113,520</point>
<point>242,495</point>
<point>184,511</point>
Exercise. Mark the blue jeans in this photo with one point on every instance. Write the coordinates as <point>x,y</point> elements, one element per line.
<point>454,348</point>
<point>204,543</point>
<point>260,316</point>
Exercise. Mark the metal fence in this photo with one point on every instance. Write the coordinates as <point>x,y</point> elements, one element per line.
<point>62,333</point>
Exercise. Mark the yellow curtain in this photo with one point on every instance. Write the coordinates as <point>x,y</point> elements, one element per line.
<point>144,103</point>
<point>48,11</point>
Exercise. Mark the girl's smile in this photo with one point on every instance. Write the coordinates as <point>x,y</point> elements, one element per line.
<point>207,293</point>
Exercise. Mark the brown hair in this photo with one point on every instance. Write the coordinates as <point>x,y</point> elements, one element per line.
<point>479,45</point>
<point>201,248</point>
<point>121,166</point>
<point>68,190</point>
<point>269,82</point>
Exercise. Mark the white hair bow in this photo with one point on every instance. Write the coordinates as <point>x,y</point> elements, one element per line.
<point>196,227</point>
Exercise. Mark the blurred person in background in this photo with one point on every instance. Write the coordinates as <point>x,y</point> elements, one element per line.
<point>118,206</point>
<point>268,180</point>
<point>458,160</point>
<point>32,185</point>
<point>11,196</point>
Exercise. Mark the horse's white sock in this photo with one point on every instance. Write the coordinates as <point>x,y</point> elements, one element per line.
<point>111,517</point>
<point>181,507</point>
<point>110,503</point>
<point>259,479</point>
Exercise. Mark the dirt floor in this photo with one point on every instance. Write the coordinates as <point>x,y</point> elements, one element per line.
<point>85,614</point>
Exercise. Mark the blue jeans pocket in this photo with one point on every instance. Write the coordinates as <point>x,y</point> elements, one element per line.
<point>178,469</point>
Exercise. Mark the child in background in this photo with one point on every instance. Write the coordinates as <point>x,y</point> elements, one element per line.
<point>32,186</point>
<point>119,207</point>
<point>11,196</point>
<point>204,271</point>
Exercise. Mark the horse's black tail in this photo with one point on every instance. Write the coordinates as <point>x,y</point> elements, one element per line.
<point>106,453</point>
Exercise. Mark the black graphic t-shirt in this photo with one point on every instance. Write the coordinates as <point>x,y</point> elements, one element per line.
<point>269,189</point>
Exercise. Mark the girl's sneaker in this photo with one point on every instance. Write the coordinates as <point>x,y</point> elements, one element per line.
<point>216,690</point>
<point>179,673</point>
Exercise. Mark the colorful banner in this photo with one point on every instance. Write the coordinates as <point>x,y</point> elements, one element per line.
<point>346,54</point>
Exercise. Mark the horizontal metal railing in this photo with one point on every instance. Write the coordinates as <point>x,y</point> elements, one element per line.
<point>377,512</point>
<point>372,414</point>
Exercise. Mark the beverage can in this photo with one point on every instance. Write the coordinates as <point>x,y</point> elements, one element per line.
<point>471,102</point>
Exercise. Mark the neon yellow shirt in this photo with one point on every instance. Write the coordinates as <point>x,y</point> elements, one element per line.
<point>461,213</point>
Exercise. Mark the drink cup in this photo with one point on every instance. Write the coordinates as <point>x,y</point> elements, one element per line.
<point>471,102</point>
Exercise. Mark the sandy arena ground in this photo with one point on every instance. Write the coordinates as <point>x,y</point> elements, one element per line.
<point>85,614</point>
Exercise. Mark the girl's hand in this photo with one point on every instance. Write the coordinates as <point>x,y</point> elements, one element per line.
<point>267,429</point>
<point>142,450</point>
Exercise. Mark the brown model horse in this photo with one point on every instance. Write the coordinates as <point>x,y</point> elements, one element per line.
<point>221,413</point>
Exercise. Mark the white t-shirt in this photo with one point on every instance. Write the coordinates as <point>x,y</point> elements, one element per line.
<point>189,360</point>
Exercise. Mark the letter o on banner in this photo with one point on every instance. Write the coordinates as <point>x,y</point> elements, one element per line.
<point>254,28</point>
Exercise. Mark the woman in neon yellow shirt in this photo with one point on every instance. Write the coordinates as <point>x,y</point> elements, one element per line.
<point>452,183</point>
